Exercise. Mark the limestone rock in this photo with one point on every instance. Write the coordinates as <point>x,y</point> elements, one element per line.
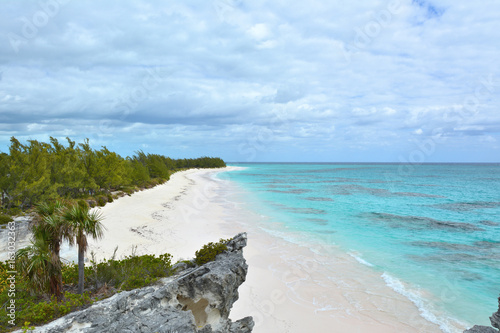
<point>495,322</point>
<point>196,300</point>
<point>481,329</point>
<point>495,318</point>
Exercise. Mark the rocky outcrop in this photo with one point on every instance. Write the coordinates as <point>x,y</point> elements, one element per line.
<point>196,300</point>
<point>495,322</point>
<point>481,329</point>
<point>495,318</point>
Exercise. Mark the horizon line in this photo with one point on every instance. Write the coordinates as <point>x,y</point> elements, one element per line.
<point>403,163</point>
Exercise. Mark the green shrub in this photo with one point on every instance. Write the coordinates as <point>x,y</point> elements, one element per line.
<point>209,251</point>
<point>12,211</point>
<point>26,327</point>
<point>42,312</point>
<point>92,203</point>
<point>126,274</point>
<point>4,219</point>
<point>82,203</point>
<point>101,201</point>
<point>129,190</point>
<point>129,273</point>
<point>70,274</point>
<point>110,198</point>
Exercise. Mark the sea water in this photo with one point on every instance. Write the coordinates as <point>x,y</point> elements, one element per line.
<point>431,231</point>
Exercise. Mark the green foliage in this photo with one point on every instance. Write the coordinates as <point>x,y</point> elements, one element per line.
<point>70,274</point>
<point>101,201</point>
<point>31,307</point>
<point>26,327</point>
<point>29,173</point>
<point>41,312</point>
<point>209,251</point>
<point>35,171</point>
<point>129,273</point>
<point>35,266</point>
<point>4,219</point>
<point>84,223</point>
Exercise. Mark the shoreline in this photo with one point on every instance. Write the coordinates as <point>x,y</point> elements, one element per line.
<point>288,287</point>
<point>293,284</point>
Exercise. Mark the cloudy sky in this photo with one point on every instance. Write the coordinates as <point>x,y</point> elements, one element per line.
<point>318,80</point>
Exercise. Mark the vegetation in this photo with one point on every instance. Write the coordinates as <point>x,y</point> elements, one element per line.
<point>60,183</point>
<point>36,172</point>
<point>48,234</point>
<point>4,219</point>
<point>209,251</point>
<point>129,273</point>
<point>83,223</point>
<point>34,306</point>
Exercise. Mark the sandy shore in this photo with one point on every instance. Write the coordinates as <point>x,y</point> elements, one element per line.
<point>289,288</point>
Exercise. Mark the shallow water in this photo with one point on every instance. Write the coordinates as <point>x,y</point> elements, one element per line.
<point>432,232</point>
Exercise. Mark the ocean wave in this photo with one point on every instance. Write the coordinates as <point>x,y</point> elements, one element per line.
<point>423,307</point>
<point>360,260</point>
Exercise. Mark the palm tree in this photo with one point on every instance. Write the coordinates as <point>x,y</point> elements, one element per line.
<point>84,223</point>
<point>35,265</point>
<point>53,230</point>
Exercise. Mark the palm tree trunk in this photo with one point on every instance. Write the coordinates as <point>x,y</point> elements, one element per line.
<point>81,270</point>
<point>54,287</point>
<point>56,278</point>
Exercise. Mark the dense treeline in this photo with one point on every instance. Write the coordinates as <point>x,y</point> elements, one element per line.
<point>37,171</point>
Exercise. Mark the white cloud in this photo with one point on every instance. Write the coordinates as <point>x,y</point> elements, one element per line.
<point>297,69</point>
<point>259,31</point>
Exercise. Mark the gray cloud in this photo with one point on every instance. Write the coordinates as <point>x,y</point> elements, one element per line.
<point>277,78</point>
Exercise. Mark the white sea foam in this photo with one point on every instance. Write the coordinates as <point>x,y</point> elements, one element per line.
<point>359,259</point>
<point>420,303</point>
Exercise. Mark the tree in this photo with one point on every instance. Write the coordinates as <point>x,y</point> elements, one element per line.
<point>84,223</point>
<point>35,265</point>
<point>67,170</point>
<point>52,229</point>
<point>88,158</point>
<point>30,172</point>
<point>137,172</point>
<point>5,181</point>
<point>109,169</point>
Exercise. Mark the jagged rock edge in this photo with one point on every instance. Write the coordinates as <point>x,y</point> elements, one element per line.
<point>194,300</point>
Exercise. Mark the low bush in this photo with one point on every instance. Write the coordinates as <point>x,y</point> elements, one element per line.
<point>209,251</point>
<point>44,311</point>
<point>126,274</point>
<point>4,219</point>
<point>113,275</point>
<point>33,308</point>
<point>101,200</point>
<point>13,211</point>
<point>92,203</point>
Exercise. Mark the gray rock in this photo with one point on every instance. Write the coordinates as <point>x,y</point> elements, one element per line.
<point>495,322</point>
<point>197,300</point>
<point>495,318</point>
<point>481,329</point>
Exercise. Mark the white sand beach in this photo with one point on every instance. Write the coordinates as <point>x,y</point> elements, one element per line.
<point>289,288</point>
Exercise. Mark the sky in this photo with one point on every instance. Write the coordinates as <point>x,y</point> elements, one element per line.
<point>408,81</point>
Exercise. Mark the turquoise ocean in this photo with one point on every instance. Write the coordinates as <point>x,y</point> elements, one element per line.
<point>431,231</point>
